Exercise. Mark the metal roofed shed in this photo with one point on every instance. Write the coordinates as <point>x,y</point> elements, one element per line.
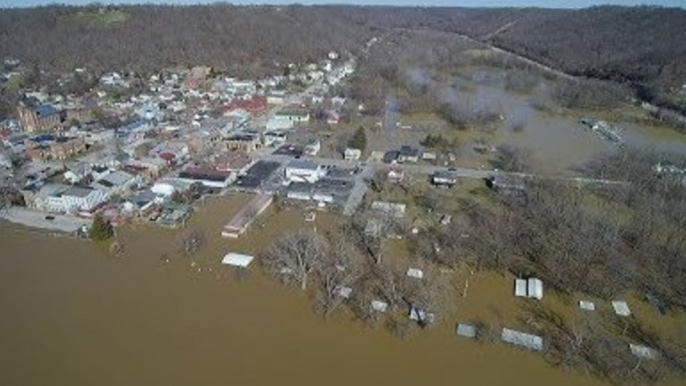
<point>467,330</point>
<point>344,292</point>
<point>415,273</point>
<point>237,260</point>
<point>643,351</point>
<point>586,305</point>
<point>378,305</point>
<point>517,338</point>
<point>535,288</point>
<point>529,288</point>
<point>419,315</point>
<point>621,308</point>
<point>520,288</point>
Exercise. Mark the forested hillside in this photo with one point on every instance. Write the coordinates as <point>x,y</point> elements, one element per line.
<point>641,46</point>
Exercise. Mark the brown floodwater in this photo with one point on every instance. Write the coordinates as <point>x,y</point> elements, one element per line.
<point>73,315</point>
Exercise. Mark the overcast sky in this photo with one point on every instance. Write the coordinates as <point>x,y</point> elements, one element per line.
<point>465,3</point>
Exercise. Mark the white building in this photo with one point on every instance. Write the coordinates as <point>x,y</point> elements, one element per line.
<point>76,199</point>
<point>391,208</point>
<point>286,119</point>
<point>167,186</point>
<point>313,147</point>
<point>304,171</point>
<point>351,154</point>
<point>117,182</point>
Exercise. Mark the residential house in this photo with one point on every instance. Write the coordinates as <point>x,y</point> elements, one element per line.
<point>64,148</point>
<point>333,117</point>
<point>444,178</point>
<point>395,175</point>
<point>166,187</point>
<point>173,152</point>
<point>300,170</point>
<point>116,183</point>
<point>43,117</point>
<point>287,118</point>
<point>244,141</point>
<point>77,200</point>
<point>275,138</point>
<point>209,177</point>
<point>256,106</point>
<point>351,154</point>
<point>408,154</point>
<point>313,147</point>
<point>276,97</point>
<point>236,162</point>
<point>391,208</point>
<point>77,172</point>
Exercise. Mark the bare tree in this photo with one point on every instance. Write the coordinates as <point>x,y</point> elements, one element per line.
<point>296,256</point>
<point>340,268</point>
<point>191,241</point>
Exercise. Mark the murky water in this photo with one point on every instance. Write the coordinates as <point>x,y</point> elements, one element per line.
<point>72,315</point>
<point>557,143</point>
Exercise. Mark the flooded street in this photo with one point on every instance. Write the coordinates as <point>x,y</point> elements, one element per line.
<point>73,314</point>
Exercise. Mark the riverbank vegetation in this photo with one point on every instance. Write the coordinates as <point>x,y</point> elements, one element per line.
<point>601,241</point>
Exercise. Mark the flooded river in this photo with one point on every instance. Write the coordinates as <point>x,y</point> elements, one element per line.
<point>557,143</point>
<point>72,315</point>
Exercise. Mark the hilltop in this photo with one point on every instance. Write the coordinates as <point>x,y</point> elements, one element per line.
<point>644,47</point>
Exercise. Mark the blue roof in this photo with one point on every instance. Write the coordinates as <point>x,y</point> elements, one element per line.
<point>46,110</point>
<point>44,138</point>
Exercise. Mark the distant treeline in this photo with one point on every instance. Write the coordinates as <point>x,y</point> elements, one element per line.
<point>641,46</point>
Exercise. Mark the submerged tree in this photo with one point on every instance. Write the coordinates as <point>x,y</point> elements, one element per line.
<point>296,256</point>
<point>191,241</point>
<point>101,229</point>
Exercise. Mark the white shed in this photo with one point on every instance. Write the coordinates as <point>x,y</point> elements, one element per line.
<point>415,273</point>
<point>520,288</point>
<point>621,308</point>
<point>643,351</point>
<point>530,341</point>
<point>237,260</point>
<point>535,288</point>
<point>586,305</point>
<point>378,305</point>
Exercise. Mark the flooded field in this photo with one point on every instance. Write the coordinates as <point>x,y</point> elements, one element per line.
<point>557,142</point>
<point>73,315</point>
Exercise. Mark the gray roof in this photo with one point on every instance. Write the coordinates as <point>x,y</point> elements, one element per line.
<point>117,178</point>
<point>303,164</point>
<point>76,191</point>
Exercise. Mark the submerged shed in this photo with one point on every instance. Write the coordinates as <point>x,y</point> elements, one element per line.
<point>467,330</point>
<point>344,292</point>
<point>378,305</point>
<point>518,338</point>
<point>621,308</point>
<point>415,273</point>
<point>520,288</point>
<point>643,351</point>
<point>535,288</point>
<point>237,260</point>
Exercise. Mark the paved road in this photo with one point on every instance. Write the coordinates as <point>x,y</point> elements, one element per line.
<point>359,190</point>
<point>36,219</point>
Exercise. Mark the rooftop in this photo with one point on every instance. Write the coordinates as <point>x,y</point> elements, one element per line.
<point>303,164</point>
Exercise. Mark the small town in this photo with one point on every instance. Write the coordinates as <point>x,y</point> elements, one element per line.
<point>415,194</point>
<point>182,135</point>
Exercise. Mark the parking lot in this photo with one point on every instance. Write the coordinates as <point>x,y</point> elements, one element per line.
<point>258,175</point>
<point>38,219</point>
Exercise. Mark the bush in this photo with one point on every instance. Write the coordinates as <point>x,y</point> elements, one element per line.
<point>101,229</point>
